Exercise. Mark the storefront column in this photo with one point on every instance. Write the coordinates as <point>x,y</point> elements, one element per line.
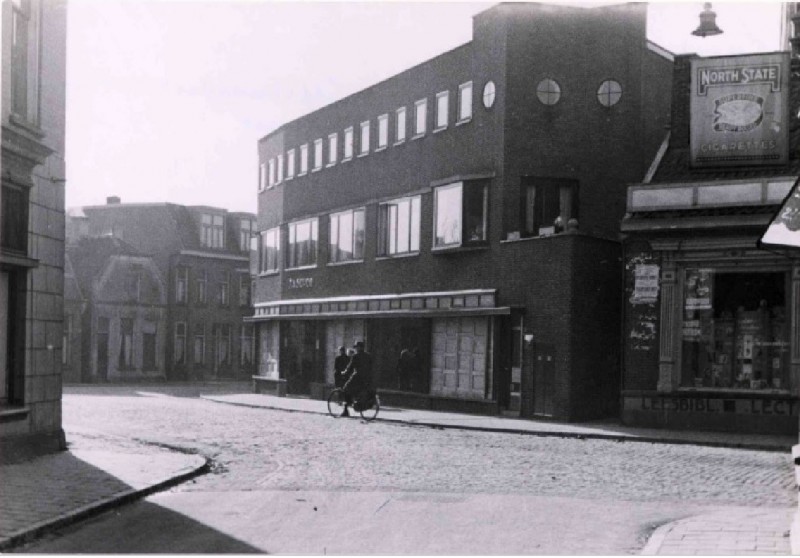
<point>795,332</point>
<point>667,380</point>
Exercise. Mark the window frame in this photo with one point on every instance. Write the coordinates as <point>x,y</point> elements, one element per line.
<point>224,288</point>
<point>262,177</point>
<point>318,155</point>
<point>279,165</point>
<point>291,257</point>
<point>201,327</point>
<point>334,222</point>
<point>348,144</point>
<point>386,247</point>
<point>363,138</point>
<point>180,341</point>
<point>271,181</point>
<point>442,96</point>
<point>333,148</point>
<point>466,86</point>
<point>181,285</point>
<point>420,109</point>
<point>535,225</point>
<point>201,280</point>
<point>303,160</point>
<point>290,164</point>
<point>401,125</point>
<point>263,259</point>
<point>467,188</point>
<point>383,132</point>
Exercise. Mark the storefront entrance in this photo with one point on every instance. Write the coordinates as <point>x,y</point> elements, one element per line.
<point>301,360</point>
<point>735,332</point>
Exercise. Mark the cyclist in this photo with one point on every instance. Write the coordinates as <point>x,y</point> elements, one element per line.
<point>361,367</point>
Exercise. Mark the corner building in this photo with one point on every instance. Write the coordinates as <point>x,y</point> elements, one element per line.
<point>469,208</point>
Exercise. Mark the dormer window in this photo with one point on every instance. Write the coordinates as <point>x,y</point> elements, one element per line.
<point>212,231</point>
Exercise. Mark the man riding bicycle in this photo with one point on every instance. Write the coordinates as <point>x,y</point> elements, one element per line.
<point>360,373</point>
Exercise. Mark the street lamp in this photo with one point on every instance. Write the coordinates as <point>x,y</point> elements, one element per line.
<point>708,23</point>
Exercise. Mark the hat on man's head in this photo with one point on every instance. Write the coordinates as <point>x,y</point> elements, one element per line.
<point>359,344</point>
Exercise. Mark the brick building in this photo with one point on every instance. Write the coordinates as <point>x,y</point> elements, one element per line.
<point>32,224</point>
<point>191,265</point>
<point>468,207</point>
<point>711,334</point>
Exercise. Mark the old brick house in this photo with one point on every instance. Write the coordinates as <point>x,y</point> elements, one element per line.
<point>468,207</point>
<point>32,88</point>
<point>201,256</point>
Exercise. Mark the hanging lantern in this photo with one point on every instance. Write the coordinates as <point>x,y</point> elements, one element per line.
<point>708,23</point>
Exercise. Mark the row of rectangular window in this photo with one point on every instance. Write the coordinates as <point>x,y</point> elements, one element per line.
<point>460,218</point>
<point>200,291</point>
<point>221,337</point>
<point>212,232</point>
<point>272,172</point>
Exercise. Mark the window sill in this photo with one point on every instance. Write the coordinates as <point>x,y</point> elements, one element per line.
<point>418,136</point>
<point>465,121</point>
<point>269,273</point>
<point>329,165</point>
<point>381,148</point>
<point>484,245</point>
<point>347,159</point>
<point>316,169</point>
<point>399,142</point>
<point>348,262</point>
<point>288,178</point>
<point>440,129</point>
<point>389,257</point>
<point>299,174</point>
<point>363,154</point>
<point>302,267</point>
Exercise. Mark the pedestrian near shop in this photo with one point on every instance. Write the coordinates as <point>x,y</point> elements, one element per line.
<point>361,366</point>
<point>339,366</point>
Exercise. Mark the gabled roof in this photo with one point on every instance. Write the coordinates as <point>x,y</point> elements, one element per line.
<point>89,256</point>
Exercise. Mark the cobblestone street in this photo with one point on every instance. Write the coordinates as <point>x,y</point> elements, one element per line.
<point>301,483</point>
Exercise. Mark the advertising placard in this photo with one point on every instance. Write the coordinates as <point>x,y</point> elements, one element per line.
<point>740,110</point>
<point>645,287</point>
<point>698,289</point>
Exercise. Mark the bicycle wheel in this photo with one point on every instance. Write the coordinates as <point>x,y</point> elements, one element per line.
<point>336,402</point>
<point>372,412</point>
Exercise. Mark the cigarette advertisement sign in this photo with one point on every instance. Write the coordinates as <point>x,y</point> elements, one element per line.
<point>740,110</point>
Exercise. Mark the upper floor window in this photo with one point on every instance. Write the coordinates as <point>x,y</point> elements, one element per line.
<point>181,284</point>
<point>364,143</point>
<point>548,91</point>
<point>224,288</point>
<point>548,204</point>
<point>246,231</point>
<point>290,164</point>
<point>398,226</point>
<point>262,177</point>
<point>272,174</point>
<point>303,159</point>
<point>383,131</point>
<point>270,250</point>
<point>24,60</point>
<point>333,148</point>
<point>442,109</point>
<point>348,144</point>
<point>400,125</point>
<point>134,286</point>
<point>244,289</point>
<point>302,248</point>
<point>317,154</point>
<point>347,236</point>
<point>489,94</point>
<point>179,356</point>
<point>420,117</point>
<point>212,231</point>
<point>279,164</point>
<point>200,287</point>
<point>460,213</point>
<point>609,93</point>
<point>126,343</point>
<point>465,101</point>
<point>14,218</point>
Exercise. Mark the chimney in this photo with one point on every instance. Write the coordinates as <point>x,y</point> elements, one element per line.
<point>113,200</point>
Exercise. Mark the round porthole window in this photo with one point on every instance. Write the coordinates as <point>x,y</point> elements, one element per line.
<point>609,93</point>
<point>548,91</point>
<point>489,93</point>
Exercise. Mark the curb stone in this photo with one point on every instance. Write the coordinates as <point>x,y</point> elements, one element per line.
<point>95,508</point>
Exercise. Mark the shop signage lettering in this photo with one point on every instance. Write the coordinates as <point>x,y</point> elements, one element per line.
<point>301,282</point>
<point>739,110</point>
<point>776,407</point>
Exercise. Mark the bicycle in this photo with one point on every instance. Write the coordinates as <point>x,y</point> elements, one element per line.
<point>338,398</point>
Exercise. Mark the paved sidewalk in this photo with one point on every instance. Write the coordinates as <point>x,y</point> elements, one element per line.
<point>97,473</point>
<point>756,531</point>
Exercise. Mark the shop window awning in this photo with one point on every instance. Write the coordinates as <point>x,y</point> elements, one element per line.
<point>406,305</point>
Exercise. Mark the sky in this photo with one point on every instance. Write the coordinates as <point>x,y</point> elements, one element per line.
<point>167,99</point>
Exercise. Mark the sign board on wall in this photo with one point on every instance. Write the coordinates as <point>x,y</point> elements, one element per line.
<point>698,289</point>
<point>740,110</point>
<point>645,287</point>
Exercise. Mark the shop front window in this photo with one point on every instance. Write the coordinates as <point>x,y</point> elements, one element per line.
<point>735,332</point>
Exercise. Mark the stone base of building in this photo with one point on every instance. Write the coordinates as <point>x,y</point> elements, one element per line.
<point>270,386</point>
<point>410,400</point>
<point>747,413</point>
<point>17,448</point>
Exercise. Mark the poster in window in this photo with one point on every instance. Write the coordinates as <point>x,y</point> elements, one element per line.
<point>645,287</point>
<point>698,289</point>
<point>740,110</point>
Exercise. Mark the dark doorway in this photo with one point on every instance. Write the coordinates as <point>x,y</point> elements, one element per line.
<point>544,372</point>
<point>302,361</point>
<point>102,349</point>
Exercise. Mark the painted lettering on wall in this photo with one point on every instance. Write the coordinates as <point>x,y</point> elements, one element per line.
<point>301,282</point>
<point>770,407</point>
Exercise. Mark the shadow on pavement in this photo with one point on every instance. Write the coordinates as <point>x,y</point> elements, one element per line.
<point>139,528</point>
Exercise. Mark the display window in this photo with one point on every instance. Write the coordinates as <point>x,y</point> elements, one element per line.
<point>735,331</point>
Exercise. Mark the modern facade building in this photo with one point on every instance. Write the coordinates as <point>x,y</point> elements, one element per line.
<point>184,275</point>
<point>468,207</point>
<point>32,171</point>
<point>711,328</point>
